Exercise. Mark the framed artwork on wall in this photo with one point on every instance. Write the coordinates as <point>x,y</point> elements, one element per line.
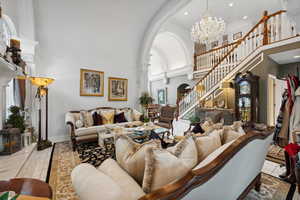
<point>117,89</point>
<point>225,40</point>
<point>162,96</point>
<point>91,82</point>
<point>237,36</point>
<point>214,44</point>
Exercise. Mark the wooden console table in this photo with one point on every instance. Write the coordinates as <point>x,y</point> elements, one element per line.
<point>28,188</point>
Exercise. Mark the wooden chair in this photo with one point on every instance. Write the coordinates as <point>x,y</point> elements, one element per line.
<point>166,117</point>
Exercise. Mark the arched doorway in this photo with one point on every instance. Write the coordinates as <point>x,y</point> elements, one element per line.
<point>182,90</point>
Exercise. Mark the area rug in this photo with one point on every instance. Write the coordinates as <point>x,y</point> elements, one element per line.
<point>64,160</point>
<point>272,188</point>
<point>276,154</point>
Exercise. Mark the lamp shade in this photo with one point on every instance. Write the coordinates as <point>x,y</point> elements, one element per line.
<point>226,85</point>
<point>41,81</point>
<point>200,87</point>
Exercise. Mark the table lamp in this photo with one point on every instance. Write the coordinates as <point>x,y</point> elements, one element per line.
<point>42,84</point>
<point>226,85</point>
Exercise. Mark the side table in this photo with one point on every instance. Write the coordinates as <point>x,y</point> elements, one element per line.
<point>27,186</point>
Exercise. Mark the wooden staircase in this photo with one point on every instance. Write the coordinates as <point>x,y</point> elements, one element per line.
<point>225,62</point>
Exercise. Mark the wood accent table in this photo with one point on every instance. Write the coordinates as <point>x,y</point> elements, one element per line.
<point>27,187</point>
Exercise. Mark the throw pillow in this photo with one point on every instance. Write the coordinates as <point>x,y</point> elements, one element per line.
<point>161,168</point>
<point>131,156</point>
<point>78,124</point>
<point>128,115</point>
<point>107,116</point>
<point>136,115</point>
<point>231,133</point>
<point>198,129</point>
<point>119,118</point>
<point>186,150</point>
<point>97,119</point>
<point>207,125</point>
<point>87,118</point>
<point>207,144</point>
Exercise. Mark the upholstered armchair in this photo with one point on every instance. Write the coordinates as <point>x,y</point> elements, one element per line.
<point>166,117</point>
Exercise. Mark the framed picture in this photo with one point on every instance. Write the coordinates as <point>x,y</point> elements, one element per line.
<point>91,83</point>
<point>225,40</point>
<point>214,44</point>
<point>117,89</point>
<point>162,96</point>
<point>237,36</point>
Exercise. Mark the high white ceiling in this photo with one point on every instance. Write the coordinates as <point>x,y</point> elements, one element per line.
<point>220,8</point>
<point>167,53</point>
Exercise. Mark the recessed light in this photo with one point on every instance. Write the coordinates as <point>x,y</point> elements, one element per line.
<point>297,56</point>
<point>231,4</point>
<point>186,13</point>
<point>245,17</point>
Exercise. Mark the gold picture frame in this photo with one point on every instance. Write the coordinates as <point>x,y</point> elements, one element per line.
<point>91,83</point>
<point>117,89</point>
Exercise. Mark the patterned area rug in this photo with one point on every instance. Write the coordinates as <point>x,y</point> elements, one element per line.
<point>64,160</point>
<point>276,154</point>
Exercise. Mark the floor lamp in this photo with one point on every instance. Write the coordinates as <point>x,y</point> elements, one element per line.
<point>42,91</point>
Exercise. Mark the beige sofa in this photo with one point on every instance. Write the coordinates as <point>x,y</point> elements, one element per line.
<point>84,134</point>
<point>229,172</point>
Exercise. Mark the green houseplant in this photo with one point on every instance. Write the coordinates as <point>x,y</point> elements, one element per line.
<point>145,100</point>
<point>6,196</point>
<point>15,119</point>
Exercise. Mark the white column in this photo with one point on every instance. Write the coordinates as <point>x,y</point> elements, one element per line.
<point>26,19</point>
<point>2,105</point>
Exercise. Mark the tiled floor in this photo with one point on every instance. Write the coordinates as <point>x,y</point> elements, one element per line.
<point>37,165</point>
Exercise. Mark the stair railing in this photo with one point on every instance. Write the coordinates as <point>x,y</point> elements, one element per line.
<point>270,28</point>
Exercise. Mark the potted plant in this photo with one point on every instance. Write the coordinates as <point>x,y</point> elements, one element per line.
<point>8,196</point>
<point>145,100</point>
<point>15,119</point>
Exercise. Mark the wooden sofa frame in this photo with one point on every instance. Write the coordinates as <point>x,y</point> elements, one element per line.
<point>72,126</point>
<point>196,178</point>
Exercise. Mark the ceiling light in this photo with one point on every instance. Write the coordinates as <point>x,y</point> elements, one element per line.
<point>186,13</point>
<point>245,17</point>
<point>231,4</point>
<point>297,56</point>
<point>208,29</point>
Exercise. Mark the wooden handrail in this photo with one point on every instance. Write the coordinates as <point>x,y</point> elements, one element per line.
<point>264,19</point>
<point>215,49</point>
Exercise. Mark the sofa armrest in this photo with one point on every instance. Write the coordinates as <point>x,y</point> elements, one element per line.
<point>91,184</point>
<point>69,118</point>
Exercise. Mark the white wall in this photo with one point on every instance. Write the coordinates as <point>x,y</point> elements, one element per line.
<point>100,35</point>
<point>174,82</point>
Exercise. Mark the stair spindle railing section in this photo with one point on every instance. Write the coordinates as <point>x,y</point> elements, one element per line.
<point>223,60</point>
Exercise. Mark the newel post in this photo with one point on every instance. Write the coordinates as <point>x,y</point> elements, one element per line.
<point>265,30</point>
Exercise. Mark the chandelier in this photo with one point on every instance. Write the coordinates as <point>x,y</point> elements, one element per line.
<point>208,29</point>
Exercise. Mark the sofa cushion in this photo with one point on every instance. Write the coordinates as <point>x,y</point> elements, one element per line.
<point>87,181</point>
<point>107,116</point>
<point>87,118</point>
<point>186,150</point>
<point>97,119</point>
<point>207,144</point>
<point>79,124</point>
<point>161,168</point>
<point>213,155</point>
<point>128,115</point>
<point>131,156</point>
<point>120,118</point>
<point>89,130</point>
<point>136,115</point>
<point>232,132</point>
<point>111,168</point>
